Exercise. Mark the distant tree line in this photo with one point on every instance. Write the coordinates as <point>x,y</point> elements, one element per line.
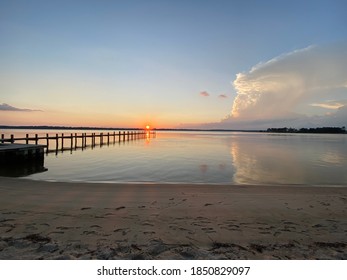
<point>308,130</point>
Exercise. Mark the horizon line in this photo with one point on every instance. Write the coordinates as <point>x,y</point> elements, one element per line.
<point>63,127</point>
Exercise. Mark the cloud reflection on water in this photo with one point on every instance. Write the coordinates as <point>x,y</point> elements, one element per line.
<point>288,160</point>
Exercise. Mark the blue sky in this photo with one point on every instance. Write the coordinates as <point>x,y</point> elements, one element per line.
<point>127,63</point>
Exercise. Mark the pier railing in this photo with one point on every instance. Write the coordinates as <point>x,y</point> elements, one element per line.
<point>74,140</point>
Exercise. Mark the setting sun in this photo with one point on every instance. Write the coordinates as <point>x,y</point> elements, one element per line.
<point>147,127</point>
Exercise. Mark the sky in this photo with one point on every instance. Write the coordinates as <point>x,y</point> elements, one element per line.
<point>173,64</point>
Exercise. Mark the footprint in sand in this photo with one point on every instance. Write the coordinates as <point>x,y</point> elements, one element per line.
<point>208,230</point>
<point>31,227</point>
<point>288,223</point>
<point>288,229</point>
<point>109,214</point>
<point>124,231</point>
<point>183,229</point>
<point>7,220</point>
<point>57,232</point>
<point>88,232</point>
<point>325,204</point>
<point>230,227</point>
<point>9,226</point>
<point>317,226</point>
<point>148,232</point>
<point>64,228</point>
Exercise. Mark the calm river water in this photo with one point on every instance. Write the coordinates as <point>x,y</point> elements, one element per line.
<point>205,157</point>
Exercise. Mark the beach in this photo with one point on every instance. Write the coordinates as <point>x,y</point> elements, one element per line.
<point>57,220</point>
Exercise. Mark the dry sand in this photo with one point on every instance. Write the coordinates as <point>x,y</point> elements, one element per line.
<point>46,220</point>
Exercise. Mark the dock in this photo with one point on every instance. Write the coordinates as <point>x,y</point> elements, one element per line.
<point>21,159</point>
<point>25,155</point>
<point>62,142</point>
<point>20,153</point>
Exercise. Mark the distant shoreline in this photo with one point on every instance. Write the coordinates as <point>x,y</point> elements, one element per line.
<point>43,127</point>
<point>317,130</point>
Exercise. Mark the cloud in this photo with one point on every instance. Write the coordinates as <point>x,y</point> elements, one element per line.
<point>7,107</point>
<point>204,94</point>
<point>331,104</point>
<point>303,88</point>
<point>291,86</point>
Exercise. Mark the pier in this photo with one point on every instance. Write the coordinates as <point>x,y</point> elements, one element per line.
<point>73,141</point>
<point>25,155</point>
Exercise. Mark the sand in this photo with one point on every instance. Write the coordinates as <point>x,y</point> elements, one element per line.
<point>52,220</point>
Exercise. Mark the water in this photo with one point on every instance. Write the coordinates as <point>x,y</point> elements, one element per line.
<point>206,157</point>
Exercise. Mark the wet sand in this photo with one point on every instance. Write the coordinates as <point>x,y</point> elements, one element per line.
<point>51,220</point>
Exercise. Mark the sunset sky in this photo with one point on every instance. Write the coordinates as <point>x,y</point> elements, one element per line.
<point>200,64</point>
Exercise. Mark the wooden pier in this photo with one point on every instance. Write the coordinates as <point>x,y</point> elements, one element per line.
<point>73,141</point>
<point>25,155</point>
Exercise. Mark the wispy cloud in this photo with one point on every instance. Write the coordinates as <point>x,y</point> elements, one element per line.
<point>7,107</point>
<point>204,94</point>
<point>222,96</point>
<point>331,104</point>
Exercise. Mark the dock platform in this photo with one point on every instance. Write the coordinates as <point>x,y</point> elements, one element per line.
<point>13,154</point>
<point>17,160</point>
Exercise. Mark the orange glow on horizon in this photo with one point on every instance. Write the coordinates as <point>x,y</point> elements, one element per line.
<point>148,127</point>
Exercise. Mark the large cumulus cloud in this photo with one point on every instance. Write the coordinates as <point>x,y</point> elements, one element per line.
<point>292,85</point>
